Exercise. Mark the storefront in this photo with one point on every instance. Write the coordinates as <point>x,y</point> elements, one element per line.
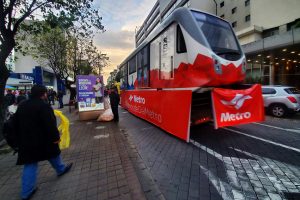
<point>39,75</point>
<point>279,66</point>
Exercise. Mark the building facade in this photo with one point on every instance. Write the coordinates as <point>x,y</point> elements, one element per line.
<point>26,72</point>
<point>268,30</point>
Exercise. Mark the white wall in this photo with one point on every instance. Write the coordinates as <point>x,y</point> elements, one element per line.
<point>250,38</point>
<point>204,5</point>
<point>273,13</point>
<point>24,64</point>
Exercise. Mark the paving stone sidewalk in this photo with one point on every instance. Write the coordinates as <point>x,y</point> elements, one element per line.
<point>106,165</point>
<point>217,165</point>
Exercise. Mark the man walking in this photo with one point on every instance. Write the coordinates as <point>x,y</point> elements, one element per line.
<point>38,139</point>
<point>10,98</point>
<point>60,97</point>
<point>114,102</point>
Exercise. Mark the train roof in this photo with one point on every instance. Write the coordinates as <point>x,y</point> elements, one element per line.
<point>180,15</point>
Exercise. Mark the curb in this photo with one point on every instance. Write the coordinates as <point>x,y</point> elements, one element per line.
<point>149,187</point>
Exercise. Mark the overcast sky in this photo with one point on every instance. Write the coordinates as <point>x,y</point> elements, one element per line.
<point>120,18</point>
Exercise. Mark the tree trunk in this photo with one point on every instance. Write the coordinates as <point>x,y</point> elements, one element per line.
<point>6,49</point>
<point>4,74</point>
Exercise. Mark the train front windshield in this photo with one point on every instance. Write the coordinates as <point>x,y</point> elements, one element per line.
<point>219,35</point>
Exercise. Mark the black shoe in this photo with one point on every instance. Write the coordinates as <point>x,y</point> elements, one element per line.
<point>67,169</point>
<point>31,194</point>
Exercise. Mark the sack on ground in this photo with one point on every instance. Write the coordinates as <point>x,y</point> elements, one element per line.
<point>106,116</point>
<point>10,133</point>
<point>106,103</point>
<point>64,129</point>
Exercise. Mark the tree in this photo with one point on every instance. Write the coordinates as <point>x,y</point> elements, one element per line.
<point>67,54</point>
<point>13,14</point>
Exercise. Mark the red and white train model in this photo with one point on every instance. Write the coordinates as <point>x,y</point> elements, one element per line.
<point>187,72</point>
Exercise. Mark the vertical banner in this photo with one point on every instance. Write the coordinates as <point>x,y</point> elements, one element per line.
<point>169,110</point>
<point>233,107</point>
<point>90,92</point>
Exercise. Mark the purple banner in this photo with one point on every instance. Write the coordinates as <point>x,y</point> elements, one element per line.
<point>90,92</point>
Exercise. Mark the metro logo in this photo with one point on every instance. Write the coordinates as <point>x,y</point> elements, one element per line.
<point>137,99</point>
<point>237,101</point>
<point>234,107</point>
<point>130,98</point>
<point>234,117</point>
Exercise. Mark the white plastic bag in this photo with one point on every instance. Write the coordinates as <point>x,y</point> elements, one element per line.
<point>106,116</point>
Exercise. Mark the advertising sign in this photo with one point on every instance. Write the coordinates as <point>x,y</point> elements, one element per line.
<point>233,107</point>
<point>90,92</point>
<point>169,110</point>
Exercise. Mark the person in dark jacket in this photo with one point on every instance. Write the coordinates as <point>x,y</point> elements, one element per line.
<point>21,96</point>
<point>10,98</point>
<point>114,102</point>
<point>38,139</point>
<point>60,96</point>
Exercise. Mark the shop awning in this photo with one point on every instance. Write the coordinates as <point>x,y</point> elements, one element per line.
<point>18,82</point>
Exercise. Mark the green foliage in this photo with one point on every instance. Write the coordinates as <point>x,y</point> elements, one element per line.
<point>14,16</point>
<point>66,51</point>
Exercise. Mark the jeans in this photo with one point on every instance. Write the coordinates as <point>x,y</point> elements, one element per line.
<point>115,112</point>
<point>30,174</point>
<point>61,104</point>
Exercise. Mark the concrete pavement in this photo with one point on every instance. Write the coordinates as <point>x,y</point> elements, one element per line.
<point>106,166</point>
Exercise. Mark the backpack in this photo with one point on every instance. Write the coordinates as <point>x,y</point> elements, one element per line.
<point>10,133</point>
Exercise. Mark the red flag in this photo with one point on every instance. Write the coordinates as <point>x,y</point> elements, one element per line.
<point>233,107</point>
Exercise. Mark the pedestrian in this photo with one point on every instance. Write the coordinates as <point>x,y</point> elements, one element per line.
<point>21,96</point>
<point>51,97</point>
<point>28,94</point>
<point>10,98</point>
<point>60,97</point>
<point>13,108</point>
<point>54,94</point>
<point>38,139</point>
<point>114,102</point>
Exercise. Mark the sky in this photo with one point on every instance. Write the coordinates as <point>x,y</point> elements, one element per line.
<point>120,19</point>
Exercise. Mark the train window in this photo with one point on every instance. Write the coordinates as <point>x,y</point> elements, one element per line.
<point>219,35</point>
<point>143,57</point>
<point>132,65</point>
<point>121,72</point>
<point>181,47</point>
<point>143,67</point>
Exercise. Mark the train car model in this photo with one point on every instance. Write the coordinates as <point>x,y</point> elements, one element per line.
<point>170,79</point>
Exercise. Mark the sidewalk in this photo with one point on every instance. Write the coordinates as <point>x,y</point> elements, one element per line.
<point>106,165</point>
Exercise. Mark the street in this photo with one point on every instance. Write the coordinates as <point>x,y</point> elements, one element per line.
<point>254,161</point>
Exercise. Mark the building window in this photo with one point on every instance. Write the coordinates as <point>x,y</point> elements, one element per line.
<point>233,10</point>
<point>247,2</point>
<point>234,24</point>
<point>222,4</point>
<point>270,32</point>
<point>222,16</point>
<point>247,18</point>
